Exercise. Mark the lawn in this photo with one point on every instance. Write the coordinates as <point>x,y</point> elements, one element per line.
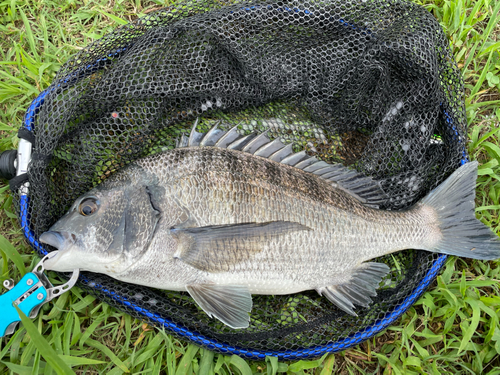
<point>453,329</point>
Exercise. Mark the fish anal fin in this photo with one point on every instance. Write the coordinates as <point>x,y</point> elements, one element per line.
<point>228,303</point>
<point>216,248</point>
<point>363,283</point>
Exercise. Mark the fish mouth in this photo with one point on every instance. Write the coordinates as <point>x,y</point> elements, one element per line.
<point>63,241</point>
<point>59,240</point>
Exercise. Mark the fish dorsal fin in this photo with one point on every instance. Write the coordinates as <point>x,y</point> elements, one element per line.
<point>256,143</point>
<point>182,141</point>
<point>213,135</point>
<point>195,137</point>
<point>363,188</point>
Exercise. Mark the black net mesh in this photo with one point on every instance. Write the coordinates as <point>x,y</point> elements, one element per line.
<point>371,84</point>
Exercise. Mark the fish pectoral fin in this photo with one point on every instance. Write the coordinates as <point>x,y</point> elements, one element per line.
<point>215,248</point>
<point>228,303</point>
<point>364,282</point>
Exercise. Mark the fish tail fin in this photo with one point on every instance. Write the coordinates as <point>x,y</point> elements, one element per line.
<point>460,233</point>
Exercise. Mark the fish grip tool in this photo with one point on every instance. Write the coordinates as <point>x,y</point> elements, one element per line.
<point>369,84</point>
<point>29,294</point>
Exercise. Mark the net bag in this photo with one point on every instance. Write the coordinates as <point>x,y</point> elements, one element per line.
<point>369,83</point>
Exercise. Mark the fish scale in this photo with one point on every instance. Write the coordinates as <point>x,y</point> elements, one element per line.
<point>214,218</point>
<point>266,196</point>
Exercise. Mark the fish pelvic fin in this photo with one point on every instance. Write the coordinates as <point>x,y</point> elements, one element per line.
<point>459,232</point>
<point>364,282</point>
<point>228,303</point>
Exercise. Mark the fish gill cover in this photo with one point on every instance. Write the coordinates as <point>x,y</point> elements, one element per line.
<point>368,83</point>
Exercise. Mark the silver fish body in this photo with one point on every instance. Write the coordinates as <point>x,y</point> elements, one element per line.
<point>210,186</point>
<point>226,223</point>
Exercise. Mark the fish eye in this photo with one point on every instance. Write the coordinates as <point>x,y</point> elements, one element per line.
<point>88,206</point>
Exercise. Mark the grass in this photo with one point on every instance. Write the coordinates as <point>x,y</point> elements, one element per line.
<point>453,329</point>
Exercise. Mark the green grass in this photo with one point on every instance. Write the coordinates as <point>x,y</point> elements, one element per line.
<point>454,328</point>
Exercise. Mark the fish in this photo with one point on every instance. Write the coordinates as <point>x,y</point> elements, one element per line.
<point>224,216</point>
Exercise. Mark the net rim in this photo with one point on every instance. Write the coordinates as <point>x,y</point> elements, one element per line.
<point>196,338</point>
<point>193,336</point>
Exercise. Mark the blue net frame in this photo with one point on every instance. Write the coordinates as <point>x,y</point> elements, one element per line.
<point>127,304</point>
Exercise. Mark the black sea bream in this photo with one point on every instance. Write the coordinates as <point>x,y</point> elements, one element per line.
<point>224,216</point>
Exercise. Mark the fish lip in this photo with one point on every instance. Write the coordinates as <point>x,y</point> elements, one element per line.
<point>64,242</point>
<point>59,240</point>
